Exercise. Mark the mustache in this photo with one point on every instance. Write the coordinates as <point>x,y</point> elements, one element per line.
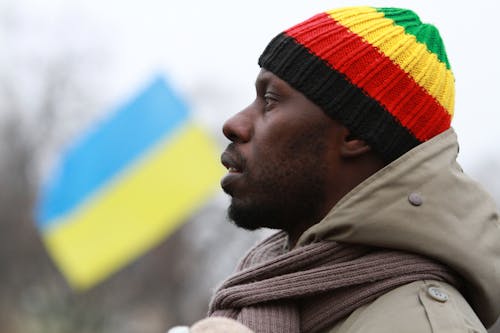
<point>233,158</point>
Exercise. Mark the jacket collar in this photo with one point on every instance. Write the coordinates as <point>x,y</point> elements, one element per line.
<point>424,203</point>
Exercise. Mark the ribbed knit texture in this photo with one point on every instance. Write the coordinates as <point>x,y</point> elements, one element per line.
<point>379,71</point>
<point>309,288</point>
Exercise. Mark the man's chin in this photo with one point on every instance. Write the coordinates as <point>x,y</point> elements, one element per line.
<point>252,218</point>
<point>242,219</point>
<point>244,225</point>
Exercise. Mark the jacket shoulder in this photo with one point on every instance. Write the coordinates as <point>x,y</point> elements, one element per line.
<point>418,307</point>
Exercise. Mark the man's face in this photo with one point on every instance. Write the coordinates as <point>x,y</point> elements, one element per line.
<point>277,161</point>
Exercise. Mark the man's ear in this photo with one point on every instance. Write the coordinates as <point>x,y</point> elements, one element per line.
<point>353,146</point>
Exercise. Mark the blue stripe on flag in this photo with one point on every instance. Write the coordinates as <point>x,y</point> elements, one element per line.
<point>109,148</point>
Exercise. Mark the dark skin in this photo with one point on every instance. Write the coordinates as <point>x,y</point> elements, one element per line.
<point>289,163</point>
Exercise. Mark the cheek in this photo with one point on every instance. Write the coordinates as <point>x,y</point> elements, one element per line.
<point>274,137</point>
<point>289,156</point>
<point>270,151</point>
<point>291,145</point>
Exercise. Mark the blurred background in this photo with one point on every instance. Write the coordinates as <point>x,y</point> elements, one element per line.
<point>66,65</point>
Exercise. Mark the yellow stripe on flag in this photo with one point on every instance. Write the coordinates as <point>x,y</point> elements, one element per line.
<point>139,208</point>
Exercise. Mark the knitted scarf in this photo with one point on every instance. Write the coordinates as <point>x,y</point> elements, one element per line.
<point>310,288</point>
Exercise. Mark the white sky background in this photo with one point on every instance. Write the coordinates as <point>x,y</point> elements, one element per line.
<point>208,51</point>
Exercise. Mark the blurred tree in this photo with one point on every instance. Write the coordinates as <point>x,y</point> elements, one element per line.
<point>40,92</point>
<point>50,89</point>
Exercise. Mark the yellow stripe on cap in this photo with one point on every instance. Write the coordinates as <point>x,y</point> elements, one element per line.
<point>403,49</point>
<point>147,202</point>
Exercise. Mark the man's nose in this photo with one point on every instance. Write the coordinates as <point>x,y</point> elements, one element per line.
<point>239,127</point>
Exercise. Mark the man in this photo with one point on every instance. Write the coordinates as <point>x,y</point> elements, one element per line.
<point>347,149</point>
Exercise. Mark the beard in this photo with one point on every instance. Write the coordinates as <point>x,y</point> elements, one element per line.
<point>284,190</point>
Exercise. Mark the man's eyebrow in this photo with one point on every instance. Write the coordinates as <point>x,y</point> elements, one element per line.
<point>261,81</point>
<point>267,80</point>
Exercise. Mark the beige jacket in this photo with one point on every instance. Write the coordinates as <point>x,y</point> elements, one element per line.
<point>422,203</point>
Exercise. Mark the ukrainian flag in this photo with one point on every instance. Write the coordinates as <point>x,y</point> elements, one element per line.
<point>125,185</point>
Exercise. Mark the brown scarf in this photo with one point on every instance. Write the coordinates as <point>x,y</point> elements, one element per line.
<point>310,288</point>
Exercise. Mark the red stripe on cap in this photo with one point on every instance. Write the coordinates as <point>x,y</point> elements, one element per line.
<point>373,72</point>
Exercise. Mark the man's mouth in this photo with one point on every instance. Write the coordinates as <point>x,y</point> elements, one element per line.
<point>232,160</point>
<point>234,163</point>
<point>231,168</point>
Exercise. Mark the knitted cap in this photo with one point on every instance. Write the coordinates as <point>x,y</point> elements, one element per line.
<point>381,72</point>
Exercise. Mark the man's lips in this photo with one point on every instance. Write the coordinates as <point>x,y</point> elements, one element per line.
<point>229,166</point>
<point>232,161</point>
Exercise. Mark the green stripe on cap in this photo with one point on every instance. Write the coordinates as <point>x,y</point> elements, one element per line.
<point>425,33</point>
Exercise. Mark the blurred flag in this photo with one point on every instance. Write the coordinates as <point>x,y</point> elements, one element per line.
<point>125,185</point>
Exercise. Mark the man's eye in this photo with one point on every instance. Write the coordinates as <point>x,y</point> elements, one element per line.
<point>270,101</point>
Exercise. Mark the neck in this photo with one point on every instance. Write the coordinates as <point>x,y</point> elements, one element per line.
<point>353,173</point>
<point>298,229</point>
<point>293,239</point>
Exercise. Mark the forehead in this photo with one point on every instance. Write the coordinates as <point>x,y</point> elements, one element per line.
<point>266,78</point>
<point>297,105</point>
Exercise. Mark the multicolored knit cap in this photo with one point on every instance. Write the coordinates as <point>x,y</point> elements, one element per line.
<point>381,72</point>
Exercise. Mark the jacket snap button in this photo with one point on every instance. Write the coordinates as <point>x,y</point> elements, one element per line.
<point>415,199</point>
<point>437,294</point>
